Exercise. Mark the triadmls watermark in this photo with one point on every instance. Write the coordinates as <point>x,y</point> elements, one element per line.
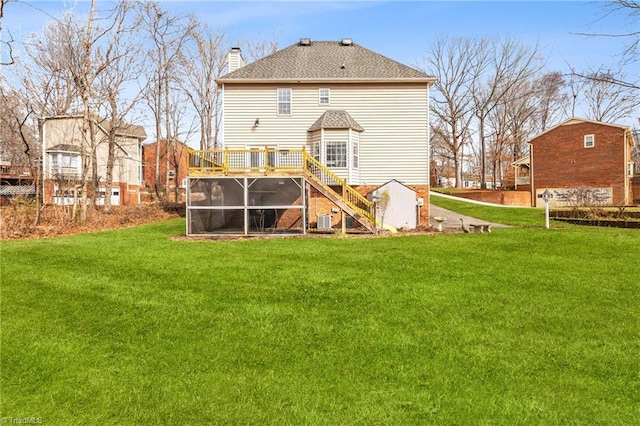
<point>21,420</point>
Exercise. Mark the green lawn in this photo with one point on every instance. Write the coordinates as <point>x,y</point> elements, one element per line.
<point>520,326</point>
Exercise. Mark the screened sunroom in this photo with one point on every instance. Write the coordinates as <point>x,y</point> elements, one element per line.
<point>247,205</point>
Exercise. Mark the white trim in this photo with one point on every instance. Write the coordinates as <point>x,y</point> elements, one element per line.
<point>278,113</point>
<point>576,120</point>
<point>589,144</point>
<point>327,96</point>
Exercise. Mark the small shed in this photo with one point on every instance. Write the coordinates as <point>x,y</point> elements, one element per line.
<point>400,208</point>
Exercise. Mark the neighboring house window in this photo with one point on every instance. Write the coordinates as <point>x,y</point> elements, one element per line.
<point>324,96</point>
<point>356,157</point>
<point>62,163</point>
<point>589,141</point>
<point>315,150</point>
<point>630,171</point>
<point>336,154</point>
<point>284,101</point>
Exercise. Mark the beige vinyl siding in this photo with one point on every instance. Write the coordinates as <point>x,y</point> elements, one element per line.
<point>394,117</point>
<point>68,131</point>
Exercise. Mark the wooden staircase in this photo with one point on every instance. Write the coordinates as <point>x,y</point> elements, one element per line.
<point>348,199</point>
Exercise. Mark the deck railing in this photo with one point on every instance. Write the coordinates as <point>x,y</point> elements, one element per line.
<point>225,161</point>
<point>11,171</point>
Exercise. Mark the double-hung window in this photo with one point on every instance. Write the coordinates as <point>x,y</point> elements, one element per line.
<point>315,150</point>
<point>284,101</point>
<point>356,155</point>
<point>324,96</point>
<point>589,141</point>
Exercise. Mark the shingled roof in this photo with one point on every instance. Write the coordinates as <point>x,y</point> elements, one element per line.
<point>336,119</point>
<point>125,129</point>
<point>325,61</point>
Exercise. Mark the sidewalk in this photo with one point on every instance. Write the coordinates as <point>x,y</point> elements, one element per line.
<point>453,219</point>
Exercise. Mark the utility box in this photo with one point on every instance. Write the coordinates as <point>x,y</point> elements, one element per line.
<point>324,221</point>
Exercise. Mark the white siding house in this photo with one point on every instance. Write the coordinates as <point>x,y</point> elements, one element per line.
<point>307,132</point>
<point>64,151</point>
<point>363,115</point>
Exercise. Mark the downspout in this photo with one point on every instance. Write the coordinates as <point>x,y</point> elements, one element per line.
<point>428,201</point>
<point>44,159</point>
<point>627,178</point>
<point>531,176</point>
<point>350,156</point>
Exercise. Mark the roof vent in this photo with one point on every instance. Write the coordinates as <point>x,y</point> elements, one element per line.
<point>305,41</point>
<point>346,42</point>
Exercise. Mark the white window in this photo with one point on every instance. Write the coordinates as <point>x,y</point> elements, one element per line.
<point>589,141</point>
<point>324,96</point>
<point>336,154</point>
<point>356,156</point>
<point>315,150</point>
<point>65,163</point>
<point>284,101</point>
<point>630,169</point>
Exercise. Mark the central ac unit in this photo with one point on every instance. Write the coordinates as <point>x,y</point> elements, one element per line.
<point>324,221</point>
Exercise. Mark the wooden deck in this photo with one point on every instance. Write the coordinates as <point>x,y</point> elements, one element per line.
<point>284,162</point>
<point>15,173</point>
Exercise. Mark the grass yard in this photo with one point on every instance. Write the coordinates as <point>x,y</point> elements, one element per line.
<point>520,326</point>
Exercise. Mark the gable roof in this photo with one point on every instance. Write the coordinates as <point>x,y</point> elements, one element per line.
<point>335,119</point>
<point>577,120</point>
<point>125,129</point>
<point>389,183</point>
<point>526,160</point>
<point>325,61</point>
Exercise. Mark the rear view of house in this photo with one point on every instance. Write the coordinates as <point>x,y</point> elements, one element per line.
<point>341,117</point>
<point>583,162</point>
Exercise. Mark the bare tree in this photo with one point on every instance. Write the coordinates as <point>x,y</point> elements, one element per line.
<point>503,65</point>
<point>201,63</point>
<point>20,137</point>
<point>550,99</point>
<point>168,33</point>
<point>630,54</point>
<point>8,42</point>
<point>452,63</point>
<point>260,47</point>
<point>124,55</point>
<point>606,100</point>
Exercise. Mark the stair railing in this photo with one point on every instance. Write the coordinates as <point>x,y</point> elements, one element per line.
<point>329,180</point>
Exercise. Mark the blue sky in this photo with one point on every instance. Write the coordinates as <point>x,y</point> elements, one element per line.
<point>400,30</point>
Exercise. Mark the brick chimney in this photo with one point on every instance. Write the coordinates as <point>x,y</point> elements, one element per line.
<point>235,59</point>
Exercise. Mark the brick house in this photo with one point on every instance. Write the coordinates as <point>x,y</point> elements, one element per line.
<point>178,159</point>
<point>583,162</point>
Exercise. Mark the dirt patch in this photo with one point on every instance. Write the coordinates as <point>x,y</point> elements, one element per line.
<point>422,230</point>
<point>16,220</point>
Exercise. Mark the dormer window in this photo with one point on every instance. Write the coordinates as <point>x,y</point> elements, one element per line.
<point>324,96</point>
<point>589,141</point>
